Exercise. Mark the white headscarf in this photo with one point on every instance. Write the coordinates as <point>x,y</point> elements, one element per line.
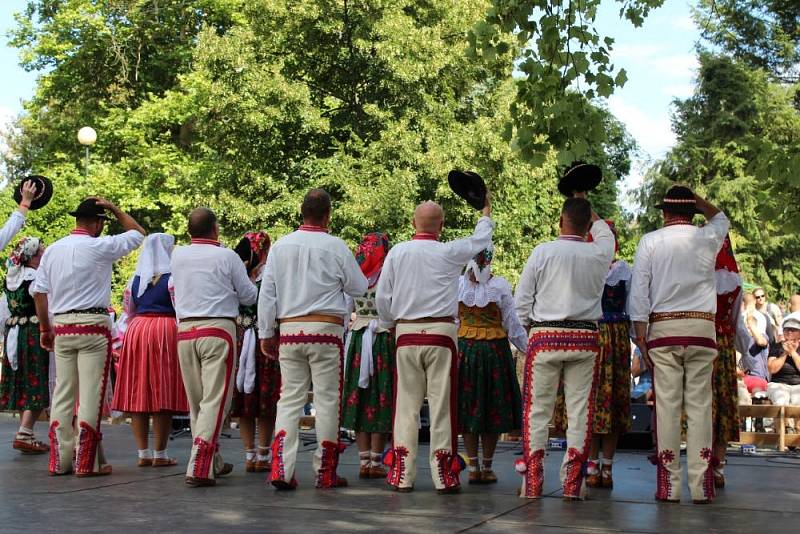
<point>482,271</point>
<point>154,259</point>
<point>17,271</point>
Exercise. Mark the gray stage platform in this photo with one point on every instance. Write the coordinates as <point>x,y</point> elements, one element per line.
<point>763,494</point>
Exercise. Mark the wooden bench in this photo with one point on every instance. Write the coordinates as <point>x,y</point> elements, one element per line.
<point>779,439</point>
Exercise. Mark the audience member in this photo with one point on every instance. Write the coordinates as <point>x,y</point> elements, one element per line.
<point>756,349</point>
<point>784,386</point>
<point>771,311</point>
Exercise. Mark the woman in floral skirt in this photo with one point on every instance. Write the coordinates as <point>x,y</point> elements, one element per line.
<point>489,401</point>
<point>26,366</point>
<point>258,376</point>
<point>368,394</point>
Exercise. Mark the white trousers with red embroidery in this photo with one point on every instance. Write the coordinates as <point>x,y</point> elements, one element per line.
<point>309,353</point>
<point>82,359</point>
<point>206,351</point>
<point>682,352</point>
<point>425,370</point>
<point>551,350</point>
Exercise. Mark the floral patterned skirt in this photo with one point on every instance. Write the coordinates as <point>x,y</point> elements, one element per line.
<point>263,401</point>
<point>613,398</point>
<point>725,402</point>
<point>489,400</point>
<point>27,388</point>
<point>369,409</point>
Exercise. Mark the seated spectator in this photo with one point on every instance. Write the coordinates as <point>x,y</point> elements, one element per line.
<point>641,390</point>
<point>755,349</point>
<point>784,386</point>
<point>771,311</point>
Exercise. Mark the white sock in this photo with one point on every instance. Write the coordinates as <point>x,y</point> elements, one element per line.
<point>472,464</point>
<point>160,455</point>
<point>364,459</point>
<point>250,454</point>
<point>263,457</point>
<point>145,454</point>
<point>607,461</point>
<point>25,430</point>
<point>591,466</point>
<point>376,459</point>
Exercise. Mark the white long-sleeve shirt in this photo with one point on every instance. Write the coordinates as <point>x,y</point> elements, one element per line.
<point>307,272</point>
<point>674,269</point>
<point>564,279</point>
<point>209,281</point>
<point>420,277</point>
<point>11,228</point>
<point>496,290</point>
<point>75,271</point>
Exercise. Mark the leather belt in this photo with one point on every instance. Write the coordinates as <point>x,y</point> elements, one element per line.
<point>450,320</point>
<point>575,325</point>
<point>314,318</point>
<point>87,311</point>
<point>194,319</point>
<point>670,316</point>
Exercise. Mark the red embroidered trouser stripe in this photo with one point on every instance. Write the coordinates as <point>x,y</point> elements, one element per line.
<point>206,354</point>
<point>549,351</point>
<point>309,351</point>
<point>682,353</point>
<point>83,357</point>
<point>426,364</point>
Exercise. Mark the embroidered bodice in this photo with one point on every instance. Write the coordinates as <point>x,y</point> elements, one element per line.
<point>20,302</point>
<point>480,322</point>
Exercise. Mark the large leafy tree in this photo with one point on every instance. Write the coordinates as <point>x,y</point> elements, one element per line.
<point>739,143</point>
<point>243,106</point>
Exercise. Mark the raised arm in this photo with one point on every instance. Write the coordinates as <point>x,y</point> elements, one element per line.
<point>17,218</point>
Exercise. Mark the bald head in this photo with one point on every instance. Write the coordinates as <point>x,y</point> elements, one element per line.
<point>203,224</point>
<point>429,218</point>
<point>794,304</point>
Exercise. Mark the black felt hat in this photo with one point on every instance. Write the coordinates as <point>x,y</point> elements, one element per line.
<point>679,199</point>
<point>44,191</point>
<point>580,176</point>
<point>469,186</point>
<point>89,208</point>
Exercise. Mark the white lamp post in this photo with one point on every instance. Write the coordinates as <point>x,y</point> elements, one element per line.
<point>87,137</point>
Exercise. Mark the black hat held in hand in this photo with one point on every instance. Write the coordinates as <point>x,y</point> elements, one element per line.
<point>680,200</point>
<point>580,176</point>
<point>469,186</point>
<point>89,208</point>
<point>44,191</point>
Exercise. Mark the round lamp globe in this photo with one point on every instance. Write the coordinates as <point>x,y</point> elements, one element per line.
<point>87,136</point>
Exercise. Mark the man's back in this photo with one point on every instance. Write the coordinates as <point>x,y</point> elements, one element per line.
<point>674,269</point>
<point>209,281</point>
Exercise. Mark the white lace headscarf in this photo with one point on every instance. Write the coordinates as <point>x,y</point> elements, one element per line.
<point>154,259</point>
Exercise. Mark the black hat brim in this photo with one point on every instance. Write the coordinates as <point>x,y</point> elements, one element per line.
<point>77,213</point>
<point>44,191</point>
<point>469,186</point>
<point>584,177</point>
<point>685,209</point>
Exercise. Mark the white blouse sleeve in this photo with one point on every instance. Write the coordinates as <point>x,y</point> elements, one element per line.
<point>512,326</point>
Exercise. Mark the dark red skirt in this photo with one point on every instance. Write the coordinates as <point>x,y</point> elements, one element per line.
<point>149,376</point>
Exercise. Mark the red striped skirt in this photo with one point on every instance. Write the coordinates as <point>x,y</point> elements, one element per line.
<point>149,377</point>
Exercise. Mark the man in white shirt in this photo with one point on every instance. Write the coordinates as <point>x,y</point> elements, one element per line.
<point>307,275</point>
<point>418,293</point>
<point>674,290</point>
<point>558,299</point>
<point>73,283</point>
<point>209,283</point>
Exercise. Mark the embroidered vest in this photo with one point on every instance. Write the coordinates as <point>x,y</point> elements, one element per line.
<point>480,323</point>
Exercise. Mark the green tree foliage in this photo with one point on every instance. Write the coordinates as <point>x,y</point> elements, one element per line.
<point>245,105</point>
<point>739,144</point>
<point>763,34</point>
<point>564,65</point>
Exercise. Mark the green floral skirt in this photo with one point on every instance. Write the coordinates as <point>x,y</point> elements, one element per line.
<point>612,412</point>
<point>369,409</point>
<point>489,400</point>
<point>725,402</point>
<point>27,388</point>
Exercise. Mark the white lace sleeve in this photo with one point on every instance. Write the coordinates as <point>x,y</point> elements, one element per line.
<point>512,326</point>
